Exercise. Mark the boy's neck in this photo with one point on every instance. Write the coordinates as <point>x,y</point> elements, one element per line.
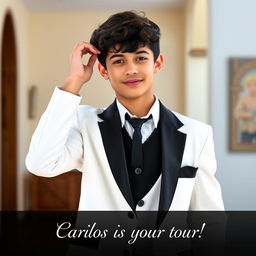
<point>139,106</point>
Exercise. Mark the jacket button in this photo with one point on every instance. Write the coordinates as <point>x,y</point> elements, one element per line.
<point>140,203</point>
<point>131,215</point>
<point>138,171</point>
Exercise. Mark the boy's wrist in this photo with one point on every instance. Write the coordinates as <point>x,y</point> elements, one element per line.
<point>72,85</point>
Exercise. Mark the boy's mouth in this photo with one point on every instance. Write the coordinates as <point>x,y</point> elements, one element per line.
<point>132,82</point>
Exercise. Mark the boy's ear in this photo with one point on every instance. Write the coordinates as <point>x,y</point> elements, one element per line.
<point>158,63</point>
<point>103,71</point>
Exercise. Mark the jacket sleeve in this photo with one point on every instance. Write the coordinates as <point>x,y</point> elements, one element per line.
<point>206,194</point>
<point>57,145</point>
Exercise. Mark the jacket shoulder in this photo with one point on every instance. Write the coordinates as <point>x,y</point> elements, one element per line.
<point>87,111</point>
<point>191,125</point>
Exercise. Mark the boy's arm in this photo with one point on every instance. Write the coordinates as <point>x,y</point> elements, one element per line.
<point>207,192</point>
<point>56,145</point>
<point>207,204</point>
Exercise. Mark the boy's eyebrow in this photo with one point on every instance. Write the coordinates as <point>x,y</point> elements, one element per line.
<point>121,55</point>
<point>139,52</point>
<point>116,55</point>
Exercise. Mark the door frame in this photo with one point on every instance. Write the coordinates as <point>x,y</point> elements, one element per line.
<point>8,115</point>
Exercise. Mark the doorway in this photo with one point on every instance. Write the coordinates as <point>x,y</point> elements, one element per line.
<point>8,114</point>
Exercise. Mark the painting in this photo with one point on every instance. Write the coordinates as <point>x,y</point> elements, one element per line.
<point>242,88</point>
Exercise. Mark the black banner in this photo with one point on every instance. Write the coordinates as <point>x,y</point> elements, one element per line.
<point>128,233</point>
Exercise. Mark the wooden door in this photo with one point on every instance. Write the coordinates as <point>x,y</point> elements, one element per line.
<point>60,193</point>
<point>8,110</point>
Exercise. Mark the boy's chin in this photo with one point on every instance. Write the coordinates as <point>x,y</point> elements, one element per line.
<point>133,95</point>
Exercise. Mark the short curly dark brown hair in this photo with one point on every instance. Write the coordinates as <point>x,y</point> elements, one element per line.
<point>126,32</point>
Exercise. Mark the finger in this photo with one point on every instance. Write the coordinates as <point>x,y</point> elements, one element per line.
<point>92,60</point>
<point>75,46</point>
<point>93,47</point>
<point>80,53</point>
<point>88,47</point>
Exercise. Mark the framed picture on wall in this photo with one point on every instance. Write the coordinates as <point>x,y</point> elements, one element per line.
<point>242,111</point>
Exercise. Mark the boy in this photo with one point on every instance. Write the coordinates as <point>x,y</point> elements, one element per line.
<point>135,155</point>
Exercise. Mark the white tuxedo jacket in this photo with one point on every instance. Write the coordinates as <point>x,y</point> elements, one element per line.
<point>72,136</point>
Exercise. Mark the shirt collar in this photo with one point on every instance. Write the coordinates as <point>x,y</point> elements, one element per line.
<point>154,110</point>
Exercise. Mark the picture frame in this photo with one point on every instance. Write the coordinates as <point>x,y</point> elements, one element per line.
<point>242,109</point>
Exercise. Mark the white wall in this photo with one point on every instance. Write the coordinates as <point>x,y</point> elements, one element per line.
<point>20,17</point>
<point>196,68</point>
<point>232,25</point>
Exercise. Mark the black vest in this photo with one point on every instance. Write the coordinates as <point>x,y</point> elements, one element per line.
<point>142,182</point>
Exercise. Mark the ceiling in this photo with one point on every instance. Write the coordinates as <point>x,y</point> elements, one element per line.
<point>83,5</point>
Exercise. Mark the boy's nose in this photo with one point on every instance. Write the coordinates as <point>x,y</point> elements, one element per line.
<point>131,69</point>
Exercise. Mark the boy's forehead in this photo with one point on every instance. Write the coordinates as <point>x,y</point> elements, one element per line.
<point>113,51</point>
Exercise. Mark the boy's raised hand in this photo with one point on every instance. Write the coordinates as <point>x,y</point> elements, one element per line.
<point>79,73</point>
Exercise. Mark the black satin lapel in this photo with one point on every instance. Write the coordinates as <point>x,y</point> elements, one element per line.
<point>173,143</point>
<point>111,133</point>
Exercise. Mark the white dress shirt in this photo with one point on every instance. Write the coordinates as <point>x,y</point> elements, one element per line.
<point>147,127</point>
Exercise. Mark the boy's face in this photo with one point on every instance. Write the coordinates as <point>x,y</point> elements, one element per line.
<point>131,73</point>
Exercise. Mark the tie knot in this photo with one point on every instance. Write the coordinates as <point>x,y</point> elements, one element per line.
<point>136,122</point>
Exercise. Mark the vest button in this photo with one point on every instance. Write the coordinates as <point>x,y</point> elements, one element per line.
<point>140,203</point>
<point>138,171</point>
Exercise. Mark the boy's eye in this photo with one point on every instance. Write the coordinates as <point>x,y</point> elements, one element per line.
<point>118,62</point>
<point>141,58</point>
